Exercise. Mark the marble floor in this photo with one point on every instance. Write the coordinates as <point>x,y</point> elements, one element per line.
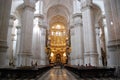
<point>57,74</point>
<point>62,74</point>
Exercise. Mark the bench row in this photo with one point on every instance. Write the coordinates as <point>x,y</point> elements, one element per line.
<point>22,73</point>
<point>94,72</point>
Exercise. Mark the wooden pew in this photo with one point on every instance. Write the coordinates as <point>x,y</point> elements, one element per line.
<point>22,72</point>
<point>92,72</point>
<point>18,73</point>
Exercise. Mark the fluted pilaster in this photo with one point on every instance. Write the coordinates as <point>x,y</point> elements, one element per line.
<point>42,41</point>
<point>97,29</point>
<point>10,39</point>
<point>73,52</point>
<point>18,45</point>
<point>5,6</point>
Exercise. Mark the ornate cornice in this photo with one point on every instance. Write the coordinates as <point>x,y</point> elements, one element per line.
<point>12,17</point>
<point>3,46</point>
<point>43,26</point>
<point>39,16</point>
<point>92,54</point>
<point>76,25</point>
<point>11,20</point>
<point>25,54</point>
<point>86,4</point>
<point>77,22</point>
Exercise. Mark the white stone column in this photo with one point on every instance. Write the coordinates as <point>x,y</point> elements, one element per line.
<point>10,40</point>
<point>25,52</point>
<point>71,41</point>
<point>42,41</point>
<point>112,10</point>
<point>13,55</point>
<point>36,45</point>
<point>36,39</point>
<point>5,6</point>
<point>18,45</point>
<point>78,38</point>
<point>18,39</point>
<point>98,44</point>
<point>90,49</point>
<point>76,46</point>
<point>115,8</point>
<point>43,33</point>
<point>114,45</point>
<point>73,52</point>
<point>111,35</point>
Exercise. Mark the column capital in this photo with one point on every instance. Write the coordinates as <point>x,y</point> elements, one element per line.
<point>86,4</point>
<point>77,15</point>
<point>11,20</point>
<point>43,25</point>
<point>77,19</point>
<point>71,26</point>
<point>18,27</point>
<point>78,24</point>
<point>12,17</point>
<point>40,16</point>
<point>29,4</point>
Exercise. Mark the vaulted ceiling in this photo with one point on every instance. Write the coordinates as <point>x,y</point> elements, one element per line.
<point>58,8</point>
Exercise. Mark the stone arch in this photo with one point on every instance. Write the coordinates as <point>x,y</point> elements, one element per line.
<point>98,12</point>
<point>58,10</point>
<point>99,24</point>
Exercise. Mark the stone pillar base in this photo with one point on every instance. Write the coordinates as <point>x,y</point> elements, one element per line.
<point>113,53</point>
<point>42,62</point>
<point>91,58</point>
<point>7,60</point>
<point>36,60</point>
<point>3,60</point>
<point>80,61</point>
<point>76,61</point>
<point>24,60</point>
<point>71,62</point>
